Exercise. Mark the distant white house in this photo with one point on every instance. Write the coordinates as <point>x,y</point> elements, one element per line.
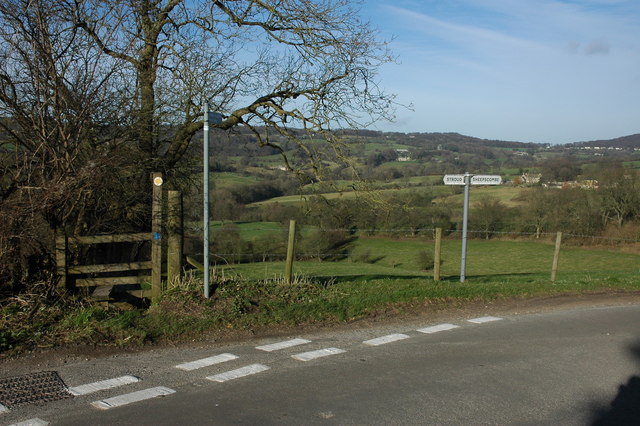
<point>531,178</point>
<point>403,154</point>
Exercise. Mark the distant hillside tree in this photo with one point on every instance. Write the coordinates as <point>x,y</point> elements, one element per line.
<point>619,189</point>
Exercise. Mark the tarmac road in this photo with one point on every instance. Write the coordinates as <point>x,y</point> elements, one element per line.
<point>572,366</point>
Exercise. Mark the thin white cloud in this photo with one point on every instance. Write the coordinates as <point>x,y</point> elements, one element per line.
<point>462,34</point>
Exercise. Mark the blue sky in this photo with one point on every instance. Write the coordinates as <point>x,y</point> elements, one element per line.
<point>545,71</point>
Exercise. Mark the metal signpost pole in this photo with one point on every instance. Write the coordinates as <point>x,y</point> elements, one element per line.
<point>205,181</point>
<point>465,217</point>
<point>467,180</point>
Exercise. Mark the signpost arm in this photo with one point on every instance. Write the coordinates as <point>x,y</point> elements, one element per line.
<point>465,217</point>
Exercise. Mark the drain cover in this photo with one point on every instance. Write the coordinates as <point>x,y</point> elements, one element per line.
<point>44,386</point>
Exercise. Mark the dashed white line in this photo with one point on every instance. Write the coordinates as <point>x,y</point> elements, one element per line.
<point>308,356</point>
<point>438,328</point>
<point>31,422</point>
<point>102,385</point>
<point>206,362</point>
<point>129,398</point>
<point>385,339</point>
<point>283,345</point>
<point>238,373</point>
<point>484,319</point>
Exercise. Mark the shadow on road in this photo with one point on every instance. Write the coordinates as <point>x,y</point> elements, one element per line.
<point>625,407</point>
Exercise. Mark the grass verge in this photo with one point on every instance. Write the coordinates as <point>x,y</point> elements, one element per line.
<point>241,304</point>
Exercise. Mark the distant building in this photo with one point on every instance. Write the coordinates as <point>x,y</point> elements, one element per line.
<point>582,184</point>
<point>403,154</point>
<point>531,178</point>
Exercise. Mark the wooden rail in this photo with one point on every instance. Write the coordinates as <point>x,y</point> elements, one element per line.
<point>119,238</point>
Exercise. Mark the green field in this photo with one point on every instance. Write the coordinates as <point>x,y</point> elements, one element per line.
<point>438,190</point>
<point>251,230</point>
<point>508,195</point>
<point>227,180</point>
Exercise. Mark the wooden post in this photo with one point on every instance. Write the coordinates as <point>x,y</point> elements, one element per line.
<point>156,242</point>
<point>436,255</point>
<point>61,258</point>
<point>290,252</point>
<point>556,255</point>
<point>174,230</point>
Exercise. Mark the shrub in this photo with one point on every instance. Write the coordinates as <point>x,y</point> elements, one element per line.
<point>425,260</point>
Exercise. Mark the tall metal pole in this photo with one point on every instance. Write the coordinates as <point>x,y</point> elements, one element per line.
<point>205,215</point>
<point>465,218</point>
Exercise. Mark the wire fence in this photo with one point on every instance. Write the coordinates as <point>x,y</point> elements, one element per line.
<point>413,249</point>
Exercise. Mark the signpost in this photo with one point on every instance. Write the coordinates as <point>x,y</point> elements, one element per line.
<point>467,180</point>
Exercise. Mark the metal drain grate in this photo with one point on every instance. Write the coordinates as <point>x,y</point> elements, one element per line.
<point>44,386</point>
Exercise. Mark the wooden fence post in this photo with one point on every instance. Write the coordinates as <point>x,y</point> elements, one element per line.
<point>175,237</point>
<point>156,242</point>
<point>556,255</point>
<point>436,255</point>
<point>61,258</point>
<point>290,252</point>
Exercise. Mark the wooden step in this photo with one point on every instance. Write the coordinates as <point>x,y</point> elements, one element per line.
<point>111,267</point>
<point>102,293</point>
<point>91,282</point>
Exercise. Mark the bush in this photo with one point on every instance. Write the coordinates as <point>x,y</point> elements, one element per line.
<point>425,260</point>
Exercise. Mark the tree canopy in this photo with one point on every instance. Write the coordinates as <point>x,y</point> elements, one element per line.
<point>95,94</point>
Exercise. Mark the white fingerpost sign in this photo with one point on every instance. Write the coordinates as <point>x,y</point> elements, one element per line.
<point>486,180</point>
<point>467,180</point>
<point>453,179</point>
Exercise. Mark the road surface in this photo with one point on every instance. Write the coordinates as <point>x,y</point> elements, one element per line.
<point>573,366</point>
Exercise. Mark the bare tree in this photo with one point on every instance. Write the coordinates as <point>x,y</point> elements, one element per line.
<point>619,192</point>
<point>277,64</point>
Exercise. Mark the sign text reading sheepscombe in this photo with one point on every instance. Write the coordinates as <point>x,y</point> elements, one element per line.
<point>475,180</point>
<point>486,180</point>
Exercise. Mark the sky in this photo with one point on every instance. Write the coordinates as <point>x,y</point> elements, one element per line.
<point>543,71</point>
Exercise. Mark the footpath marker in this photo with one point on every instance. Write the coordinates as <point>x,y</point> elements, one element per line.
<point>467,180</point>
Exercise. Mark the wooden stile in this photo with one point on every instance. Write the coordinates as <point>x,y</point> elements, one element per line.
<point>105,285</point>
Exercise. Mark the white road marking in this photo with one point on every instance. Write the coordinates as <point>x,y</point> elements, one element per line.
<point>102,385</point>
<point>385,339</point>
<point>31,422</point>
<point>308,356</point>
<point>240,372</point>
<point>206,362</point>
<point>437,328</point>
<point>3,408</point>
<point>129,398</point>
<point>484,319</point>
<point>283,345</point>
